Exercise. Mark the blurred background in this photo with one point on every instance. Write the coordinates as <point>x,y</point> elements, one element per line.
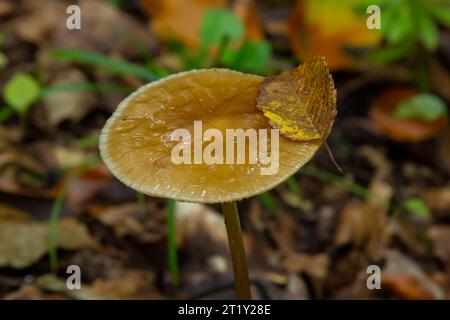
<point>312,237</point>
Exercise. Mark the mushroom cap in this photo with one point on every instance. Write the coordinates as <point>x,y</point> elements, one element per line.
<point>135,142</point>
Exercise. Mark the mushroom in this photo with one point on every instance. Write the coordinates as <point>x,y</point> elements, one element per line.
<point>164,141</point>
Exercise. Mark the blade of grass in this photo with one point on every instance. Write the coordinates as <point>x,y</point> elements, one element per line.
<point>84,86</point>
<point>293,186</point>
<point>172,257</point>
<point>267,202</point>
<point>53,225</point>
<point>56,212</point>
<point>141,201</point>
<point>113,65</point>
<point>346,184</point>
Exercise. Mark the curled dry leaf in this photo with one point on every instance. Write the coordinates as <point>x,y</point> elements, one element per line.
<point>301,103</point>
<point>402,130</point>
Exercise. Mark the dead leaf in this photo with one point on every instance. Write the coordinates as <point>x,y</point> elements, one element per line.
<point>110,29</point>
<point>128,220</point>
<point>405,279</point>
<point>6,8</point>
<point>70,105</point>
<point>179,18</point>
<point>437,199</point>
<point>315,266</point>
<point>301,103</point>
<point>439,77</point>
<point>128,285</point>
<point>440,235</point>
<point>32,292</point>
<point>192,217</point>
<point>364,223</point>
<point>328,28</point>
<point>24,243</point>
<point>402,130</point>
<point>118,285</point>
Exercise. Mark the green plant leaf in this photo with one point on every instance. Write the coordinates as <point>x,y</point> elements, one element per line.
<point>293,186</point>
<point>441,14</point>
<point>267,201</point>
<point>428,31</point>
<point>21,91</point>
<point>418,207</point>
<point>113,65</point>
<point>172,255</point>
<point>3,60</point>
<point>252,56</point>
<point>5,113</point>
<point>218,24</point>
<point>423,106</point>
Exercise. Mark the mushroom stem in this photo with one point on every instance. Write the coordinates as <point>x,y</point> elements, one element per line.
<point>237,250</point>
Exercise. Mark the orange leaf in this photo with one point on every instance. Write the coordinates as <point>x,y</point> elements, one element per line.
<point>182,18</point>
<point>326,28</point>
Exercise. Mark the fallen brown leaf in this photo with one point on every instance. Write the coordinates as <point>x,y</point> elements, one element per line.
<point>23,243</point>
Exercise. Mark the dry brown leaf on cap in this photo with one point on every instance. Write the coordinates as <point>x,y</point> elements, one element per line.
<point>23,243</point>
<point>329,28</point>
<point>301,103</point>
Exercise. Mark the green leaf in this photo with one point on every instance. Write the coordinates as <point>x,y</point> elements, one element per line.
<point>252,56</point>
<point>21,91</point>
<point>418,207</point>
<point>442,15</point>
<point>428,31</point>
<point>218,24</point>
<point>397,24</point>
<point>293,186</point>
<point>267,202</point>
<point>85,86</point>
<point>5,113</point>
<point>172,255</point>
<point>391,53</point>
<point>2,39</point>
<point>113,65</point>
<point>3,60</point>
<point>423,106</point>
